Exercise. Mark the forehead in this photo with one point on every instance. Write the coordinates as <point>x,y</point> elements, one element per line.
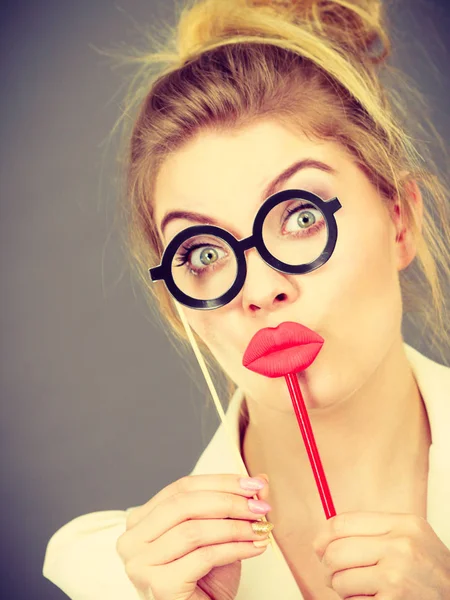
<point>217,172</point>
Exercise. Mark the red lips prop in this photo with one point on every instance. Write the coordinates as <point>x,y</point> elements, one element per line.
<point>283,351</point>
<point>277,351</point>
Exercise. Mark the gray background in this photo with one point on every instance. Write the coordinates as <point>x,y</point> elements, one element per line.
<point>98,410</point>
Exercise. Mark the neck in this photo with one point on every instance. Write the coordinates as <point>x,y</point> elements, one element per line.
<point>371,444</point>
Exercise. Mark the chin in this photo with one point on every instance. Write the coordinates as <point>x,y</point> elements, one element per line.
<point>328,390</point>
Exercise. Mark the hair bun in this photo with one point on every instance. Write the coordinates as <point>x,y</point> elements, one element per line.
<point>354,25</point>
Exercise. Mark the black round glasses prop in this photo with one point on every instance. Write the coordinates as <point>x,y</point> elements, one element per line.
<point>204,266</point>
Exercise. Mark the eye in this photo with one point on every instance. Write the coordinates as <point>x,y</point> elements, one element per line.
<point>301,217</point>
<point>205,256</point>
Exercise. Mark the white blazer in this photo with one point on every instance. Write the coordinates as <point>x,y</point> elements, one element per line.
<point>81,558</point>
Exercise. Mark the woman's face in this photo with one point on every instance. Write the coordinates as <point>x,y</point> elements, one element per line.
<point>353,301</point>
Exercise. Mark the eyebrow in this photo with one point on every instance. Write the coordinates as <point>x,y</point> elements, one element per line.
<point>271,188</point>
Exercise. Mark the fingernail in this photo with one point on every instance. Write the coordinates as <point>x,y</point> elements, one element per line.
<point>261,543</point>
<point>262,527</point>
<point>266,476</point>
<point>251,483</point>
<point>259,506</point>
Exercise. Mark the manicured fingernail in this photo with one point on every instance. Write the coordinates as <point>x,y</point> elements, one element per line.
<point>259,506</point>
<point>261,543</point>
<point>262,527</point>
<point>251,483</point>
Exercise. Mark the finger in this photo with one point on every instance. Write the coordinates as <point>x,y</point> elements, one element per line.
<point>224,483</point>
<point>264,493</point>
<point>348,553</point>
<point>192,505</point>
<point>362,581</point>
<point>190,568</point>
<point>349,524</point>
<point>190,535</point>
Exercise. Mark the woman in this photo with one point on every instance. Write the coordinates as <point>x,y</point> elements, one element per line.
<point>263,98</point>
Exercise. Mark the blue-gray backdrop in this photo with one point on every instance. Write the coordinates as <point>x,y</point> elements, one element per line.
<point>98,410</point>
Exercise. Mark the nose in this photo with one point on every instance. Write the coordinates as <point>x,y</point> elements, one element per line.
<point>266,289</point>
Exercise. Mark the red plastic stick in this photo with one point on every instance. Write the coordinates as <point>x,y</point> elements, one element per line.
<point>310,444</point>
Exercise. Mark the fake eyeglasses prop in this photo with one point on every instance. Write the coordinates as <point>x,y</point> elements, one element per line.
<point>204,266</point>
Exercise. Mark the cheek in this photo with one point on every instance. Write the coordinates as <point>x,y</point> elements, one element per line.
<point>376,261</point>
<point>365,253</point>
<point>221,331</point>
<point>211,327</point>
<point>199,322</point>
<point>365,295</point>
<point>360,314</point>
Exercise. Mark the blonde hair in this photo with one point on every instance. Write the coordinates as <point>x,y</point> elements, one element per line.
<point>314,65</point>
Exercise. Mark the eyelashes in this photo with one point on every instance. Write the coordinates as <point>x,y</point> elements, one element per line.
<point>201,256</point>
<point>297,219</point>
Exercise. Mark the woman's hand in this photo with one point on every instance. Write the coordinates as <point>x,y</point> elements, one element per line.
<point>186,543</point>
<point>392,556</point>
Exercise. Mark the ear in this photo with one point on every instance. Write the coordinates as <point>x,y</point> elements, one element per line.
<point>406,246</point>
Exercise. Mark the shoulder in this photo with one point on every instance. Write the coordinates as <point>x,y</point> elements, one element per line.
<point>430,374</point>
<point>81,558</point>
<point>433,380</point>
